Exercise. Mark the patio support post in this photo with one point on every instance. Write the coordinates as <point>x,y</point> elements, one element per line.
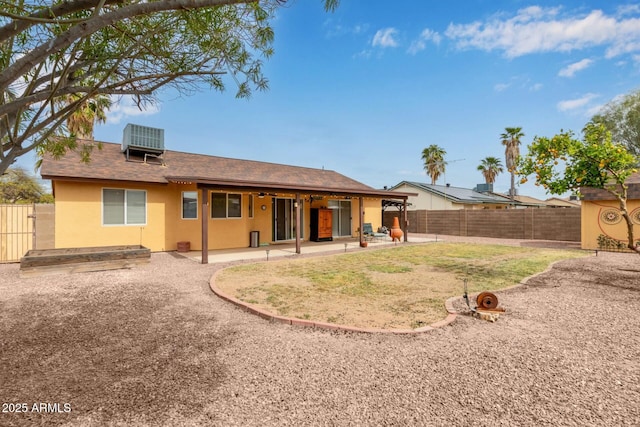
<point>404,219</point>
<point>298,223</point>
<point>360,218</point>
<point>204,196</point>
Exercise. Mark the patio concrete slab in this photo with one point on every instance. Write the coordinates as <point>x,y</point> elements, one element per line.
<point>281,250</point>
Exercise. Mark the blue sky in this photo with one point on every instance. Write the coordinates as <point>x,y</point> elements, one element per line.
<point>365,89</point>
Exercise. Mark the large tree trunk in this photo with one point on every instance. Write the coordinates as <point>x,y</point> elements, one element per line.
<point>512,190</point>
<point>631,244</point>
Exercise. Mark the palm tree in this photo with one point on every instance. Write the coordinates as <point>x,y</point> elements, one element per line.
<point>511,141</point>
<point>89,112</point>
<point>434,163</point>
<point>490,167</point>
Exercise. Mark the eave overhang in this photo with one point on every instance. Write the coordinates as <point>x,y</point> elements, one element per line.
<point>220,184</point>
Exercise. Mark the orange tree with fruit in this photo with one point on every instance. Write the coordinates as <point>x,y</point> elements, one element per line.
<point>563,164</point>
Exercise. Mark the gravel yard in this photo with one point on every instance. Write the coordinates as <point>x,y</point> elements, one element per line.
<point>154,346</point>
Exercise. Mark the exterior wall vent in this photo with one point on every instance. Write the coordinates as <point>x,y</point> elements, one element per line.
<point>143,141</point>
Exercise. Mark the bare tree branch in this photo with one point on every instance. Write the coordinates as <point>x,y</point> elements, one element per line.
<point>22,23</point>
<point>56,58</point>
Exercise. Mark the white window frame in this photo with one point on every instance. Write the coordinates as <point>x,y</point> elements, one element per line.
<point>226,206</point>
<point>182,205</point>
<point>124,224</point>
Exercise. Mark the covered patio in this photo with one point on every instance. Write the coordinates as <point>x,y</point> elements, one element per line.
<point>347,190</point>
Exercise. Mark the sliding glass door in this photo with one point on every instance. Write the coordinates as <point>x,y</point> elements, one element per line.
<point>284,219</point>
<point>341,217</point>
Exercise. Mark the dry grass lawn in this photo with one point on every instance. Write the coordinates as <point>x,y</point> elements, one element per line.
<point>401,287</point>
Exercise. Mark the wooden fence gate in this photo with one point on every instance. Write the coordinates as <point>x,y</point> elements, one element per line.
<point>17,231</point>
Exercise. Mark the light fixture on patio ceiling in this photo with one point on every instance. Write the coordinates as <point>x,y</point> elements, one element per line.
<point>261,195</point>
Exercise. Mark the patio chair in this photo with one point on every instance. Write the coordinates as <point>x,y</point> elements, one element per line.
<point>371,235</point>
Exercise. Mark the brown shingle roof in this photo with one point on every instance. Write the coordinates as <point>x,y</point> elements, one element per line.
<point>599,194</point>
<point>111,164</point>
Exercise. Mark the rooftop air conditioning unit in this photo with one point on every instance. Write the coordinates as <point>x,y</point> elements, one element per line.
<point>143,141</point>
<point>143,138</point>
<point>484,188</point>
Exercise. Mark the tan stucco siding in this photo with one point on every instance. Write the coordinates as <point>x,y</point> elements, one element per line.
<point>234,232</point>
<point>595,221</point>
<point>372,213</point>
<point>425,200</point>
<point>429,201</point>
<point>78,217</point>
<point>222,232</point>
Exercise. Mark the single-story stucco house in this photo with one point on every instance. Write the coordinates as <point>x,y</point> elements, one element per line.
<point>557,202</point>
<point>449,210</point>
<point>603,226</point>
<point>139,193</point>
<point>447,197</point>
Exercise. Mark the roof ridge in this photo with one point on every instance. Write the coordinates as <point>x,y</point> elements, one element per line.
<point>232,158</point>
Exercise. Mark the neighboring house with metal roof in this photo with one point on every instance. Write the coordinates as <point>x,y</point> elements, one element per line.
<point>459,211</point>
<point>156,198</point>
<point>531,202</point>
<point>446,197</point>
<point>557,202</point>
<point>603,226</point>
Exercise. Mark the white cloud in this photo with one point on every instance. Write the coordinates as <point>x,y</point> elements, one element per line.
<point>518,82</point>
<point>535,30</point>
<point>125,107</point>
<point>592,111</point>
<point>366,54</point>
<point>571,69</point>
<point>359,28</point>
<point>338,30</point>
<point>421,42</point>
<point>405,172</point>
<point>385,38</point>
<point>628,9</point>
<point>572,104</point>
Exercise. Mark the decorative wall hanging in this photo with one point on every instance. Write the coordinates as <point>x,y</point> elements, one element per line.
<point>611,216</point>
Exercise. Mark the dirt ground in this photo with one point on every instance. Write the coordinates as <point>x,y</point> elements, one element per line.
<point>153,346</point>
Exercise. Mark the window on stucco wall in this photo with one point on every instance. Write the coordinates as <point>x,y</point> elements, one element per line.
<point>226,205</point>
<point>124,207</point>
<point>189,205</point>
